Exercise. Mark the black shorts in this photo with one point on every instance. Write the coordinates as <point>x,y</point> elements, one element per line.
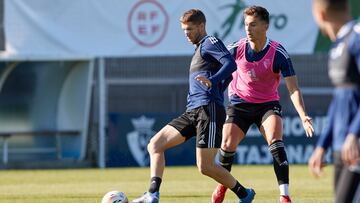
<point>204,122</point>
<point>246,114</point>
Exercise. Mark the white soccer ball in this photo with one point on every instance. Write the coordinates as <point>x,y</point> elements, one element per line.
<point>115,197</point>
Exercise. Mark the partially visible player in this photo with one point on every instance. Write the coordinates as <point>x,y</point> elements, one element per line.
<point>343,129</point>
<point>210,72</point>
<point>254,97</point>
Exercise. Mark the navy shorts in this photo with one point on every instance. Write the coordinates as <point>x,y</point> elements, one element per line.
<point>204,122</point>
<point>246,114</point>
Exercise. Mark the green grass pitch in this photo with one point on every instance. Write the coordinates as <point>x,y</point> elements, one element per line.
<point>180,184</point>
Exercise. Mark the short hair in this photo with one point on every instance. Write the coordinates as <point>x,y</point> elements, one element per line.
<point>257,11</point>
<point>195,16</point>
<point>334,5</point>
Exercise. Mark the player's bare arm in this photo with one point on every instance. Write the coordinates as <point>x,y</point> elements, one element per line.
<point>316,162</point>
<point>297,100</point>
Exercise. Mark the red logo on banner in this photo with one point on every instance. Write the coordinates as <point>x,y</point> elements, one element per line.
<point>148,22</point>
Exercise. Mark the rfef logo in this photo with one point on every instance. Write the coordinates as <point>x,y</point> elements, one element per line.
<point>148,22</point>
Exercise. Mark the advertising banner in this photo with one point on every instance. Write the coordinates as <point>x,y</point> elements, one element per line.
<point>129,135</point>
<point>43,28</point>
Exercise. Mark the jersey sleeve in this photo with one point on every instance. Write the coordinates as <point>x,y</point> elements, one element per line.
<point>233,48</point>
<point>326,137</point>
<point>355,124</point>
<point>354,49</point>
<point>283,63</point>
<point>212,48</point>
<point>354,45</point>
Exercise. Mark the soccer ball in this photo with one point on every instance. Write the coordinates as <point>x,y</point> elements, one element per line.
<point>115,197</point>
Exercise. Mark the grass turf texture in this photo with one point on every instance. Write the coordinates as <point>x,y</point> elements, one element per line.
<point>180,184</point>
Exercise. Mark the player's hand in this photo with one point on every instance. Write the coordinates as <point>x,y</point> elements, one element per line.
<point>316,163</point>
<point>204,80</point>
<point>308,126</point>
<point>350,152</point>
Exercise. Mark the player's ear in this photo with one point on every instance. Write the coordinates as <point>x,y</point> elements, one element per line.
<point>320,13</point>
<point>267,26</point>
<point>202,26</point>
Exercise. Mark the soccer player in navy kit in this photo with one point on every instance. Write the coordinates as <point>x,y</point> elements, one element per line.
<point>210,73</point>
<point>254,98</point>
<point>343,129</point>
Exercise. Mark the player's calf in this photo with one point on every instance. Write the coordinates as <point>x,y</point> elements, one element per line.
<point>281,165</point>
<point>226,159</point>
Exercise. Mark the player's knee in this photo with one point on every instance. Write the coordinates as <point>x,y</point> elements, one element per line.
<point>150,147</point>
<point>205,169</point>
<point>228,145</point>
<point>153,146</point>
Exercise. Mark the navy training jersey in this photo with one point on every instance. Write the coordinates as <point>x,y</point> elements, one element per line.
<point>344,72</point>
<point>344,56</point>
<point>282,62</point>
<point>213,61</point>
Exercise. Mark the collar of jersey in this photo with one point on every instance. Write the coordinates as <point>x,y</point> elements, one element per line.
<point>345,29</point>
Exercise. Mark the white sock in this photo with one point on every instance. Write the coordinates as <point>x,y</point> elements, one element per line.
<point>284,189</point>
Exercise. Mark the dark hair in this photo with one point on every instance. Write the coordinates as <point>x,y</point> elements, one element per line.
<point>193,15</point>
<point>257,11</point>
<point>334,5</point>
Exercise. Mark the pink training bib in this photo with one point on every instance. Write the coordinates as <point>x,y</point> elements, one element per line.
<point>255,82</point>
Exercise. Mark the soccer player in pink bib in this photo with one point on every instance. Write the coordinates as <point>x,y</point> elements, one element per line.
<point>254,98</point>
